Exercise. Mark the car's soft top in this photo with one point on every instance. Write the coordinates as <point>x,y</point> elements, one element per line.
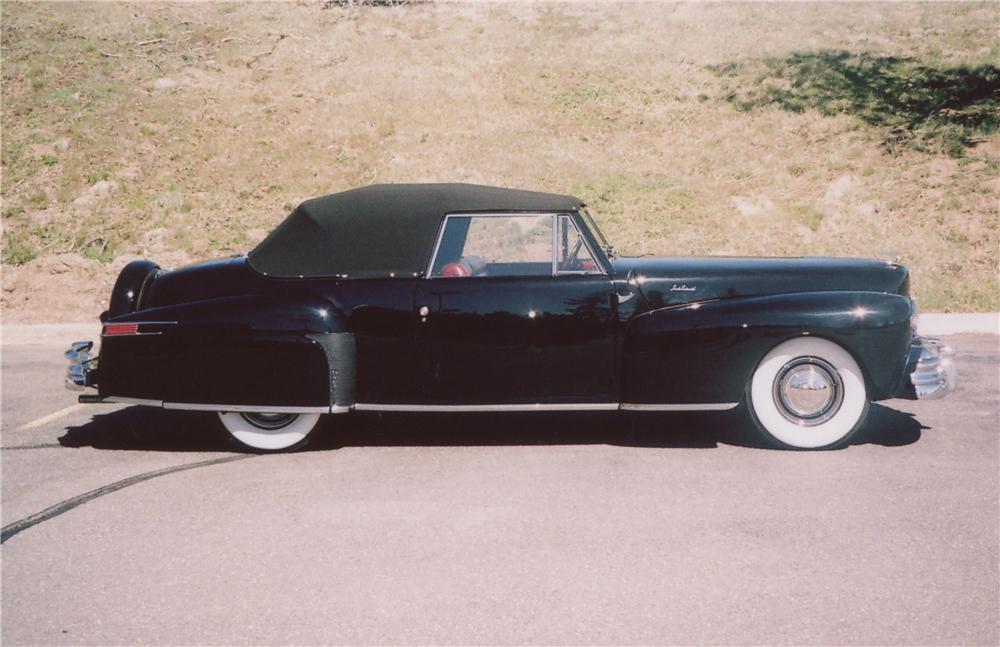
<point>381,230</point>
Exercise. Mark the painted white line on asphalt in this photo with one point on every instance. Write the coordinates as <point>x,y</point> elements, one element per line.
<point>49,418</point>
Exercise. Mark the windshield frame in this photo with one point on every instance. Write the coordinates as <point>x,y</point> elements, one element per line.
<point>596,233</point>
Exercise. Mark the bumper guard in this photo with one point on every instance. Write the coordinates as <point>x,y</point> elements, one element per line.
<point>82,366</point>
<point>935,375</point>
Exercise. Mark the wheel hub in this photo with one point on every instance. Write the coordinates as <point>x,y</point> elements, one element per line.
<point>269,420</point>
<point>808,391</point>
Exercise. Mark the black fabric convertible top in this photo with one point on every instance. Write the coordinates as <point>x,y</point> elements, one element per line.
<point>381,230</point>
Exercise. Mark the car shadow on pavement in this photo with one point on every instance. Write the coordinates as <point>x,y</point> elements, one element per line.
<point>889,427</point>
<point>144,429</point>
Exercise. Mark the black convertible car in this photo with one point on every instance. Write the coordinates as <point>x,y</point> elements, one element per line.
<point>452,297</point>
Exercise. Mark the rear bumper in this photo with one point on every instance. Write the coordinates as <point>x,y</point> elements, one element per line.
<point>82,371</point>
<point>931,372</point>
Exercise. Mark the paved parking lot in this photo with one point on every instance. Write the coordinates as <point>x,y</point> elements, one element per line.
<point>528,528</point>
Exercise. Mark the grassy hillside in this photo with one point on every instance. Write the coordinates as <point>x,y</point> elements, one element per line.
<point>187,131</point>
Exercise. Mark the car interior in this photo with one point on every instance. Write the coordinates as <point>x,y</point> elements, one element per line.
<point>510,245</point>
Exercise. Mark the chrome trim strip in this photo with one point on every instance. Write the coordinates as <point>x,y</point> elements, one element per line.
<point>554,252</point>
<point>437,245</point>
<point>362,406</point>
<point>586,406</point>
<point>584,216</point>
<point>139,401</point>
<point>236,408</point>
<point>132,334</point>
<point>711,406</point>
<point>253,408</point>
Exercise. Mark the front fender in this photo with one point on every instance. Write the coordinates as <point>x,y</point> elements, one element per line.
<point>706,352</point>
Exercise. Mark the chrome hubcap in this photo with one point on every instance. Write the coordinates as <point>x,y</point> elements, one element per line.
<point>808,391</point>
<point>269,420</point>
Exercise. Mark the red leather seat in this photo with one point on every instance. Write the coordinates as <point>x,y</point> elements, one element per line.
<point>455,270</point>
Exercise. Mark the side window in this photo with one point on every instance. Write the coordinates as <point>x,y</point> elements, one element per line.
<point>573,256</point>
<point>495,245</point>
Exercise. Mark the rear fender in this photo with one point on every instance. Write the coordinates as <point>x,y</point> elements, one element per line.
<point>706,352</point>
<point>248,350</point>
<point>258,312</point>
<point>127,293</point>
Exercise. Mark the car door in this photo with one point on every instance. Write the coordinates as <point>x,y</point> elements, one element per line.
<point>515,310</point>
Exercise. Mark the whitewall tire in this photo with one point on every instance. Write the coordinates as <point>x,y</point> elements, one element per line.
<point>808,393</point>
<point>269,432</point>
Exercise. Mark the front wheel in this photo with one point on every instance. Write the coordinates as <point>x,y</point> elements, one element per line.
<point>808,393</point>
<point>269,432</point>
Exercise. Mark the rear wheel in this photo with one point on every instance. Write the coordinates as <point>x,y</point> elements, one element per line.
<point>808,393</point>
<point>269,432</point>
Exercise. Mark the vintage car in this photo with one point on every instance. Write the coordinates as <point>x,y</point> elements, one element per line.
<point>454,297</point>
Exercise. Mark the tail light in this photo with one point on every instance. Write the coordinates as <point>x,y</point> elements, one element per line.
<point>114,330</point>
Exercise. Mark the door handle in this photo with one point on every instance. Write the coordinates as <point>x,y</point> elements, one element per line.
<point>423,311</point>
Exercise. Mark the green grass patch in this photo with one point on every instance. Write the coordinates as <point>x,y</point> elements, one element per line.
<point>17,251</point>
<point>808,216</point>
<point>52,238</point>
<point>37,199</point>
<point>638,212</point>
<point>99,248</point>
<point>936,108</point>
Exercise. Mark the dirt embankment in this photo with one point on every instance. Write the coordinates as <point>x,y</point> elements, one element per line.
<point>184,132</point>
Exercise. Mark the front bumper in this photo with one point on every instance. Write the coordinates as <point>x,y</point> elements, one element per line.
<point>934,375</point>
<point>82,371</point>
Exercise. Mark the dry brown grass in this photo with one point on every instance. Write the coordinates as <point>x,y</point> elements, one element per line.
<point>212,120</point>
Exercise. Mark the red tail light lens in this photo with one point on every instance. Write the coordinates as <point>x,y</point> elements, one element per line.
<point>112,330</point>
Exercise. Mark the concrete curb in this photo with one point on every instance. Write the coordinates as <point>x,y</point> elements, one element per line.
<point>66,333</point>
<point>933,323</point>
<point>61,333</point>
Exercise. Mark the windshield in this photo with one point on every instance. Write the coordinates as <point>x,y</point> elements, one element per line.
<point>596,233</point>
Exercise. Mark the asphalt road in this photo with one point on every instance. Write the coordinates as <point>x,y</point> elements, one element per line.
<point>529,528</point>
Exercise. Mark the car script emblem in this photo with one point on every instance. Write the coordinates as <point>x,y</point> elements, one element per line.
<point>683,287</point>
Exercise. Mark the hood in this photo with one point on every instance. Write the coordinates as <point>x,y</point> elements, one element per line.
<point>673,281</point>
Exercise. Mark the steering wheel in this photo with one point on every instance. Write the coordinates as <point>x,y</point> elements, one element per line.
<point>571,261</point>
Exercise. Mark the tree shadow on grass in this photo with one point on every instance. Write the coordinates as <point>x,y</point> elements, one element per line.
<point>144,429</point>
<point>930,107</point>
